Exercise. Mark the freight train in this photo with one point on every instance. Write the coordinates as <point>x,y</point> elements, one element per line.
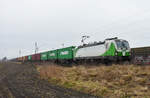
<point>108,51</point>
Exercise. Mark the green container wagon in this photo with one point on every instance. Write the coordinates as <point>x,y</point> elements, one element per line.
<point>44,56</point>
<point>66,53</point>
<point>52,55</point>
<point>30,58</point>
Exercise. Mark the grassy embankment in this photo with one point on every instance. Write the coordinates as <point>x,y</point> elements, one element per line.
<point>1,64</point>
<point>108,81</point>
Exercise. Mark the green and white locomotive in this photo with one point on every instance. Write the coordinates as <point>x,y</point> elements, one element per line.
<point>112,49</point>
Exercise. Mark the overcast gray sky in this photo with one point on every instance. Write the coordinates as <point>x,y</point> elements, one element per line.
<point>54,22</point>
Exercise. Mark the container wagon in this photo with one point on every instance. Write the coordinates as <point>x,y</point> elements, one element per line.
<point>36,57</point>
<point>44,56</point>
<point>65,55</point>
<point>30,58</point>
<point>53,56</point>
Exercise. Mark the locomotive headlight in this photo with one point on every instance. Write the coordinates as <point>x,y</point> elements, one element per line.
<point>123,53</point>
<point>116,53</point>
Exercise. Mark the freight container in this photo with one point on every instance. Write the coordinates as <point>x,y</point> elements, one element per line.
<point>33,57</point>
<point>66,53</point>
<point>20,59</point>
<point>44,56</point>
<point>26,58</point>
<point>52,55</point>
<point>36,57</point>
<point>29,57</point>
<point>23,58</point>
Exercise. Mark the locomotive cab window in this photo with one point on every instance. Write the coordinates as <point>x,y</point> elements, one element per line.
<point>122,44</point>
<point>125,44</point>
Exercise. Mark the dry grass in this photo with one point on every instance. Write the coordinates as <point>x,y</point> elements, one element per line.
<point>114,81</point>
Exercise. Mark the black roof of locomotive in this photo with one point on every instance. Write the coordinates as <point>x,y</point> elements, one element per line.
<point>91,44</point>
<point>96,43</point>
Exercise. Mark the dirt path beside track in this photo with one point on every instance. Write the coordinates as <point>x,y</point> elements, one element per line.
<point>21,81</point>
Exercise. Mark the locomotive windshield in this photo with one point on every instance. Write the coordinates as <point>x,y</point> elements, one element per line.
<point>122,44</point>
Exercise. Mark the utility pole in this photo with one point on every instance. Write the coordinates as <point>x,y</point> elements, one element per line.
<point>84,38</point>
<point>36,48</point>
<point>19,53</point>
